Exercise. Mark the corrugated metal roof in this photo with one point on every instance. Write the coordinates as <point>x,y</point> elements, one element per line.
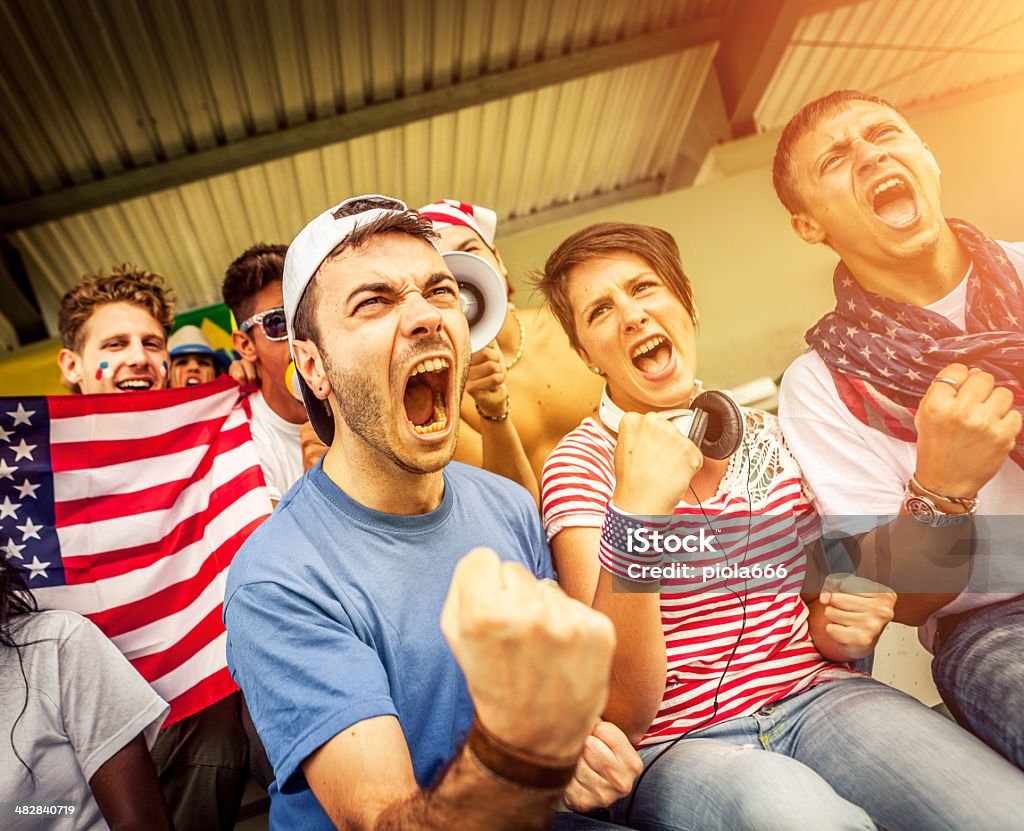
<point>161,80</point>
<point>95,88</point>
<point>519,154</point>
<point>906,51</point>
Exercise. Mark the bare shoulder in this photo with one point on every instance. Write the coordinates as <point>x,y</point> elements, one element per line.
<point>552,390</point>
<point>552,373</point>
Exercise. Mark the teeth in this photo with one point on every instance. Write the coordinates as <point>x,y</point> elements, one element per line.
<point>440,418</point>
<point>134,385</point>
<point>647,346</point>
<point>430,365</point>
<point>888,183</point>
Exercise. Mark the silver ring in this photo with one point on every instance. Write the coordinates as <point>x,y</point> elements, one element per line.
<point>942,379</point>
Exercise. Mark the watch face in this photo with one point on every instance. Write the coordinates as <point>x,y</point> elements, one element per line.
<point>919,508</point>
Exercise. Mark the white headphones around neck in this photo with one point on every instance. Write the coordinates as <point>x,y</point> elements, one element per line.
<point>611,413</point>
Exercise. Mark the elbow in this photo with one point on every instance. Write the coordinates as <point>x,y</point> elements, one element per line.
<point>633,710</point>
<point>632,723</point>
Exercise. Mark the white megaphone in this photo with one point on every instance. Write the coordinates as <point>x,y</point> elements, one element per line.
<point>482,293</point>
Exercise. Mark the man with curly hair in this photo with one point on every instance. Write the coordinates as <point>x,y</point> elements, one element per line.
<point>114,331</point>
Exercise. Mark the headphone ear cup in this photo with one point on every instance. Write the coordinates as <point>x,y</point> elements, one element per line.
<point>725,424</point>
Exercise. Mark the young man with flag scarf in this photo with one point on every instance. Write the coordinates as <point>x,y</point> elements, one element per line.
<point>905,415</point>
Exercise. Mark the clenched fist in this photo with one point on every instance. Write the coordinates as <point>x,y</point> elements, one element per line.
<point>966,427</point>
<point>605,772</point>
<point>654,464</point>
<point>537,662</point>
<point>857,611</point>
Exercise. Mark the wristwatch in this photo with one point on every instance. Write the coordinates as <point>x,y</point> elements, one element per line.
<point>921,504</point>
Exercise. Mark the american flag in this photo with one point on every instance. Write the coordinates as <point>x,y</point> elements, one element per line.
<point>128,509</point>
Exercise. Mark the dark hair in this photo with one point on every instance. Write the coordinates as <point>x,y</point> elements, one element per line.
<point>604,239</point>
<point>783,172</point>
<point>401,222</point>
<point>124,284</point>
<point>16,601</point>
<point>256,267</point>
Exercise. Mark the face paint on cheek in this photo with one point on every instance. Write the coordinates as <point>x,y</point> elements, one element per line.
<point>104,371</point>
<point>163,369</point>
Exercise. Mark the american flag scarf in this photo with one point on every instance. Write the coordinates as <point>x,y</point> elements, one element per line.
<point>883,354</point>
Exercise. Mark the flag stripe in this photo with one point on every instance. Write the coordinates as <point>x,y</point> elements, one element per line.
<point>78,416</point>
<point>141,529</point>
<point>100,453</point>
<point>187,538</point>
<point>139,503</point>
<point>165,590</point>
<point>128,477</point>
<point>158,664</point>
<point>202,694</point>
<point>152,638</point>
<point>205,662</point>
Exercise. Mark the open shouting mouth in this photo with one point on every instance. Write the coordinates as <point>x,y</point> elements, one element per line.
<point>894,202</point>
<point>426,396</point>
<point>653,355</point>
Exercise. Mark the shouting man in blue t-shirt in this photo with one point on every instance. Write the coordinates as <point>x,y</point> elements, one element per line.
<point>378,710</point>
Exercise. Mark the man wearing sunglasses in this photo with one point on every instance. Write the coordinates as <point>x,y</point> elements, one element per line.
<point>252,290</point>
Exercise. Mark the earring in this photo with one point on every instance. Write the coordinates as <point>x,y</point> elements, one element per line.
<point>596,369</point>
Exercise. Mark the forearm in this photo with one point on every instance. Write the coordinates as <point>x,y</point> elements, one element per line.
<point>926,567</point>
<point>469,796</point>
<point>639,664</point>
<point>503,453</point>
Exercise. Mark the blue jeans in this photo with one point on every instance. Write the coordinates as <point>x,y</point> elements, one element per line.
<point>979,670</point>
<point>844,754</point>
<point>568,821</point>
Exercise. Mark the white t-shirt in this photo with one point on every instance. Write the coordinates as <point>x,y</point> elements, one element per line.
<point>277,445</point>
<point>85,703</point>
<point>859,475</point>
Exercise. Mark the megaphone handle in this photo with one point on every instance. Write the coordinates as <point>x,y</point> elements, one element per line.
<point>699,427</point>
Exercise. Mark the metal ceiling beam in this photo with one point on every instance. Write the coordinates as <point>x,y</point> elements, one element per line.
<point>708,126</point>
<point>567,210</point>
<point>371,119</point>
<point>757,34</point>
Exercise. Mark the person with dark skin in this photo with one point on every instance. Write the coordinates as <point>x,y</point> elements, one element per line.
<point>76,719</point>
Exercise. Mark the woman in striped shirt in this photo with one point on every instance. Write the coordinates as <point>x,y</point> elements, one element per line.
<point>732,671</point>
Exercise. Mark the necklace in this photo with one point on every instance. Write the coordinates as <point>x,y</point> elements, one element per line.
<point>522,339</point>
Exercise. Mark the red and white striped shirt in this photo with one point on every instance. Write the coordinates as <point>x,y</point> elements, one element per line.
<point>765,517</point>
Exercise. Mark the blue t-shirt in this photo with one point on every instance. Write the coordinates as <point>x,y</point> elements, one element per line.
<point>333,614</point>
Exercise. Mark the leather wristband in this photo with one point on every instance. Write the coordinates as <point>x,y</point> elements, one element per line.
<point>515,766</point>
